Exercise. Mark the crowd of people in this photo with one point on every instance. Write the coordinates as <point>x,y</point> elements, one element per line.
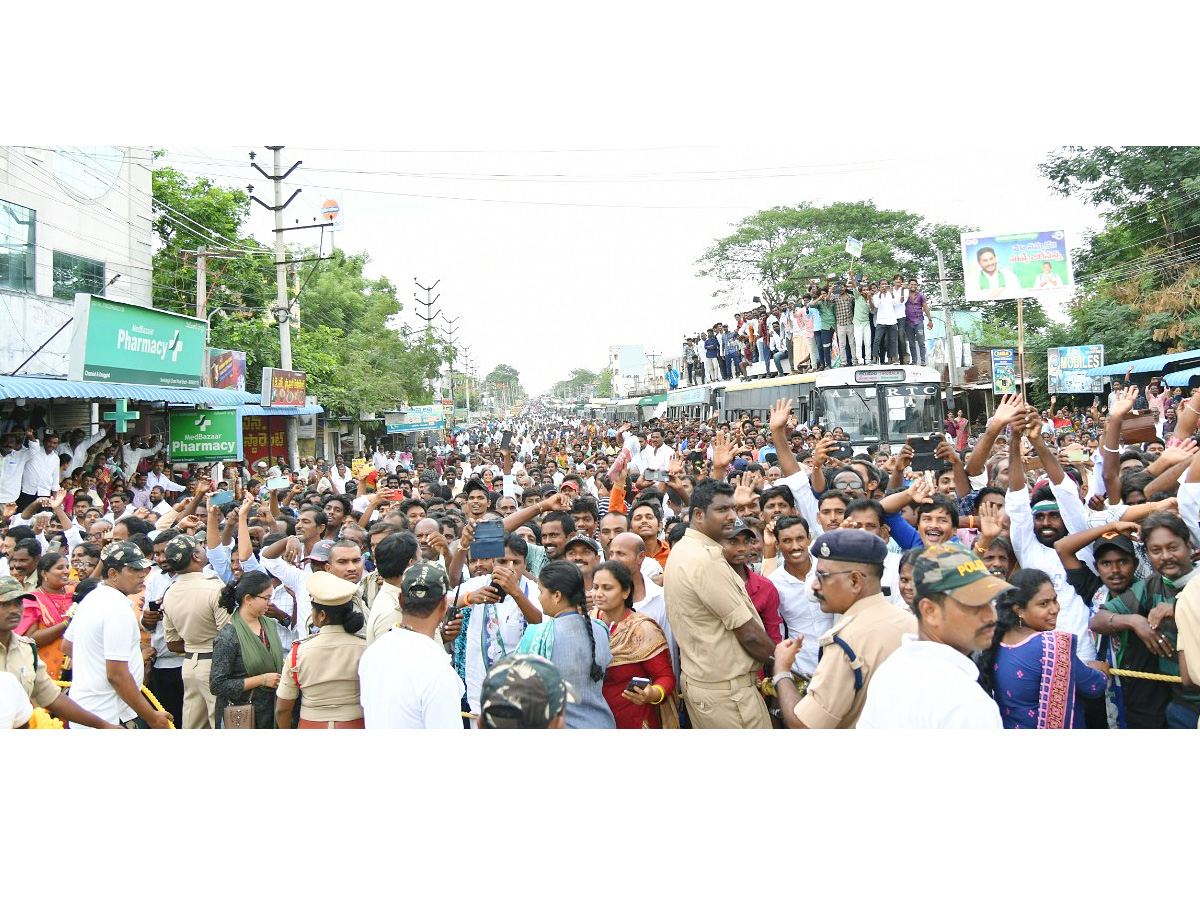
<point>854,321</point>
<point>547,572</point>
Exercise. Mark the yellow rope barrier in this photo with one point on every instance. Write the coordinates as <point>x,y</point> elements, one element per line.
<point>145,690</point>
<point>1149,676</point>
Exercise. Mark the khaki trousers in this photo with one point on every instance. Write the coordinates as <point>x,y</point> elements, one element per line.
<point>199,704</point>
<point>726,704</point>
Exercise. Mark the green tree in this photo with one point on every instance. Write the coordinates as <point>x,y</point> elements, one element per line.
<point>579,384</point>
<point>604,387</point>
<point>776,252</point>
<point>1150,197</point>
<point>504,382</point>
<point>357,354</point>
<point>189,214</point>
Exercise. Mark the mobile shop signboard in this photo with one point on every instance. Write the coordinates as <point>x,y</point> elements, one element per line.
<point>1008,266</point>
<point>127,344</point>
<point>204,436</point>
<point>1004,372</point>
<point>1072,370</point>
<point>414,418</point>
<point>283,387</point>
<point>226,369</point>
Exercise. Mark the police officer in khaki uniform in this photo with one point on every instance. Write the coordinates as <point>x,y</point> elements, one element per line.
<point>19,657</point>
<point>849,565</point>
<point>192,616</point>
<point>322,669</point>
<point>721,638</point>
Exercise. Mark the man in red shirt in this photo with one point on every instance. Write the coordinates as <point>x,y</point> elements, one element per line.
<point>740,548</point>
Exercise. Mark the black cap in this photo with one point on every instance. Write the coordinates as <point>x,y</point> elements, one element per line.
<point>1114,540</point>
<point>851,545</point>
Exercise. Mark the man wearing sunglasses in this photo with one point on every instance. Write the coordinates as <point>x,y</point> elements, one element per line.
<point>846,581</point>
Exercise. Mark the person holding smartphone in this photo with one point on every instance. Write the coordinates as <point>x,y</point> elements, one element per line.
<point>639,683</point>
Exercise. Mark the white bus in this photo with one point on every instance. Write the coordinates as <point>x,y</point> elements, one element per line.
<point>755,398</point>
<point>880,404</point>
<point>691,402</point>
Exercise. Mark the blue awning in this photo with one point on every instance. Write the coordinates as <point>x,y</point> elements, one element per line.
<point>1182,377</point>
<point>253,409</point>
<point>16,387</point>
<point>1153,364</point>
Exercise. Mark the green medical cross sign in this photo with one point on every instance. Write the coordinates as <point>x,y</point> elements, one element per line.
<point>122,416</point>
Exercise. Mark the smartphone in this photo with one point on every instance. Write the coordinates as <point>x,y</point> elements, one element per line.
<point>154,606</point>
<point>274,484</point>
<point>452,613</point>
<point>924,458</point>
<point>505,439</point>
<point>656,475</point>
<point>489,541</point>
<point>841,450</point>
<point>1078,456</point>
<point>637,683</point>
<point>220,498</point>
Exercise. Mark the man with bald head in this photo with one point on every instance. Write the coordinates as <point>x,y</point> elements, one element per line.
<point>630,549</point>
<point>428,533</point>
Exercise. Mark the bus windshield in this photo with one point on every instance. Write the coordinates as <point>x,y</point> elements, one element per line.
<point>911,409</point>
<point>854,409</point>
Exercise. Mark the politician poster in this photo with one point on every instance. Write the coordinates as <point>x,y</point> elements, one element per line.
<point>1008,266</point>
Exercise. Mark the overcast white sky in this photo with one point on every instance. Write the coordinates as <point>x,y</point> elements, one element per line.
<point>541,164</point>
<point>547,258</point>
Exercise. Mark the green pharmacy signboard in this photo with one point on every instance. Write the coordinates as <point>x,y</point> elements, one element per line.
<point>205,436</point>
<point>127,344</point>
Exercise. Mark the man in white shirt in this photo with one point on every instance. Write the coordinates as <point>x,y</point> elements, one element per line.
<point>79,450</point>
<point>930,681</point>
<point>159,478</point>
<point>13,457</point>
<point>405,677</point>
<point>889,307</point>
<point>130,457</point>
<point>801,612</point>
<point>503,601</point>
<point>106,645</point>
<point>42,473</point>
<point>655,455</point>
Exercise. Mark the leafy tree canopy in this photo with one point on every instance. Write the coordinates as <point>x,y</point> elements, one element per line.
<point>775,252</point>
<point>357,354</point>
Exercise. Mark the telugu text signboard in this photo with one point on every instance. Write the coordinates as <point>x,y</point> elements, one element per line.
<point>1072,370</point>
<point>1004,372</point>
<point>1008,266</point>
<point>414,418</point>
<point>264,437</point>
<point>204,436</point>
<point>127,344</point>
<point>283,387</point>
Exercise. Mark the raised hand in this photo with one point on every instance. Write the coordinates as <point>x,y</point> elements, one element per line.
<point>722,451</point>
<point>1008,409</point>
<point>1123,405</point>
<point>781,412</point>
<point>920,491</point>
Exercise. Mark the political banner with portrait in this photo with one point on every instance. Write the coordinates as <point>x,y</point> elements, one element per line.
<point>1008,266</point>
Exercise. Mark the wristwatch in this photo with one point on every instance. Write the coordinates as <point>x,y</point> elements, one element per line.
<point>775,679</point>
